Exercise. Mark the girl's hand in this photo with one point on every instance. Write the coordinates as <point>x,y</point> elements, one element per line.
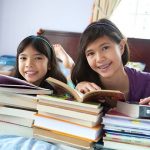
<point>86,86</point>
<point>145,101</point>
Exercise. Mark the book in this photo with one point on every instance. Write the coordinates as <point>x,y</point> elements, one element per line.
<point>116,118</point>
<point>59,138</point>
<point>126,129</point>
<point>128,138</point>
<point>18,100</point>
<point>60,101</point>
<point>123,146</point>
<point>108,96</point>
<point>14,129</point>
<point>133,109</point>
<point>59,125</point>
<point>15,85</point>
<point>17,120</point>
<point>68,112</point>
<point>18,112</point>
<point>73,120</point>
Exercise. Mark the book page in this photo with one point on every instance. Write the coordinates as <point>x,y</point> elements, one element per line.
<point>108,97</point>
<point>63,88</point>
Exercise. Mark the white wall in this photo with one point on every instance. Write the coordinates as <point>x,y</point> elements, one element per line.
<point>21,18</point>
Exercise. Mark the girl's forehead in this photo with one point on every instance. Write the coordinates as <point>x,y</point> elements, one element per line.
<point>100,40</point>
<point>30,50</point>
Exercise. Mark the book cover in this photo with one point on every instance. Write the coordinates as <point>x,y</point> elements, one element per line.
<point>108,96</point>
<point>15,85</point>
<point>133,109</point>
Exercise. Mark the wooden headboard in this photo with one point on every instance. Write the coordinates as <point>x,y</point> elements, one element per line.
<point>139,48</point>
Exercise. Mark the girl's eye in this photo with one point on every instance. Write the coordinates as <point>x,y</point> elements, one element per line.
<point>90,54</point>
<point>22,58</point>
<point>105,48</point>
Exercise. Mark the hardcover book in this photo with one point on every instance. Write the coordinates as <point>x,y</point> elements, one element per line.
<point>49,123</point>
<point>59,138</point>
<point>15,85</point>
<point>133,109</point>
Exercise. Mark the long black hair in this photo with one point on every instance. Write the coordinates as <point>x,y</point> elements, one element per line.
<point>82,71</point>
<point>42,45</point>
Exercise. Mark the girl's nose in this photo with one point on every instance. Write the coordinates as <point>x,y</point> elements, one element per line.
<point>29,63</point>
<point>99,57</point>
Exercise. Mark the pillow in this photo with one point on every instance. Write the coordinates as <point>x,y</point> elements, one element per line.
<point>136,65</point>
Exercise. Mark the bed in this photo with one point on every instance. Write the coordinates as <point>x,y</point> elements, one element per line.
<point>139,48</point>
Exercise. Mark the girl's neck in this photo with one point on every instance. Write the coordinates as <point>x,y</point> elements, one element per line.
<point>119,81</point>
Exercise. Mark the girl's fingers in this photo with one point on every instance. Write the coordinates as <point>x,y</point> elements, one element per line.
<point>85,87</point>
<point>145,101</point>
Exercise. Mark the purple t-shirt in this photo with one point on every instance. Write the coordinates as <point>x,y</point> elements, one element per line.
<point>139,84</point>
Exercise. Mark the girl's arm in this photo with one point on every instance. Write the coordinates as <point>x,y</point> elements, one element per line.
<point>86,86</point>
<point>145,101</point>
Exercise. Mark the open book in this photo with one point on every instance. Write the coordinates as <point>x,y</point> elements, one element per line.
<point>105,96</point>
<point>15,85</point>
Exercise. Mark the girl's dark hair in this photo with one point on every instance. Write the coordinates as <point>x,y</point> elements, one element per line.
<point>82,71</point>
<point>42,45</point>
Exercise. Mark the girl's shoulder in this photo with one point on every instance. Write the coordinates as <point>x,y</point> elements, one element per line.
<point>137,75</point>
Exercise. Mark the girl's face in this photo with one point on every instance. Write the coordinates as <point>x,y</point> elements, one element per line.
<point>32,65</point>
<point>104,56</point>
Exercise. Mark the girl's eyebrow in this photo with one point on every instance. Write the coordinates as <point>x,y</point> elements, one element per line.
<point>101,45</point>
<point>23,54</point>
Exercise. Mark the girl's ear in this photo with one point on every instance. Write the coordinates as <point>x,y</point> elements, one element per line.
<point>122,45</point>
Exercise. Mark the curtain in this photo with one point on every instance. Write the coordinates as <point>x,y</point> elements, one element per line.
<point>103,9</point>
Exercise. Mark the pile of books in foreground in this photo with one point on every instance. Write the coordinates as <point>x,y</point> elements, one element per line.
<point>18,105</point>
<point>125,129</point>
<point>67,122</point>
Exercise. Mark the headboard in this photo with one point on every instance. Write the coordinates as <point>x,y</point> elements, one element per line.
<point>139,48</point>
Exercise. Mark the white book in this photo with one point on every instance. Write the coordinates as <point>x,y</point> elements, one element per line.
<point>18,100</point>
<point>123,146</point>
<point>68,128</point>
<point>17,120</point>
<point>4,110</point>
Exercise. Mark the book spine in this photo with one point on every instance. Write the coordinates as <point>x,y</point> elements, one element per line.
<point>144,112</point>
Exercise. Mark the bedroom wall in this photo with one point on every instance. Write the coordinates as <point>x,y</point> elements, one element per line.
<point>20,18</point>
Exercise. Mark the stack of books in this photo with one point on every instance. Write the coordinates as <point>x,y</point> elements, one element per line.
<point>18,104</point>
<point>127,127</point>
<point>68,122</point>
<point>75,121</point>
